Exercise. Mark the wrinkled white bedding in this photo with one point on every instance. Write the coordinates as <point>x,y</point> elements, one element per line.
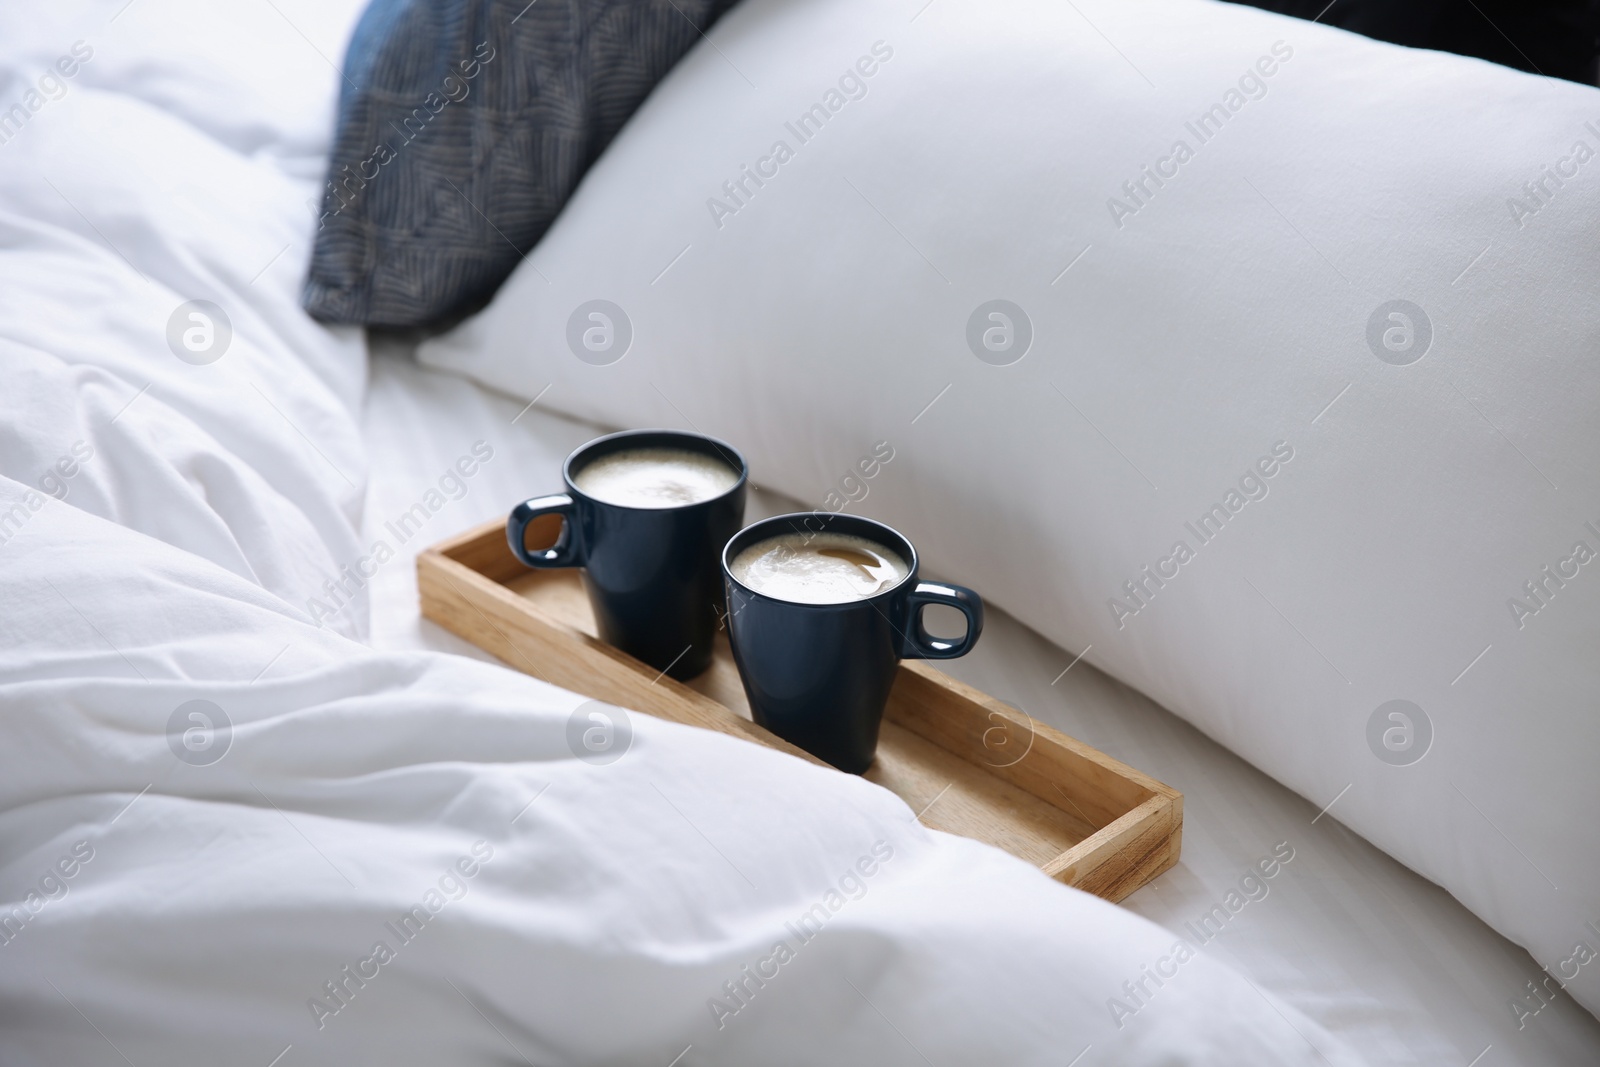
<point>345,855</point>
<point>606,905</point>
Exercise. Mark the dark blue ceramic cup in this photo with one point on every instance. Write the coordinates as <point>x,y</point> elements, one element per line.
<point>819,675</point>
<point>651,573</point>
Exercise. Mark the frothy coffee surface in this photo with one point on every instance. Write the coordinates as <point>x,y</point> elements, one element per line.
<point>655,478</point>
<point>827,568</point>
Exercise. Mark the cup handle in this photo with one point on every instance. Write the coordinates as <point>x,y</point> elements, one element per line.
<point>918,643</point>
<point>565,552</point>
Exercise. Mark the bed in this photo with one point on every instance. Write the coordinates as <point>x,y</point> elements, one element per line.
<point>254,810</point>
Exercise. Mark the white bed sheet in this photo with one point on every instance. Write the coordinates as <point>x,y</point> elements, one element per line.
<point>1375,953</point>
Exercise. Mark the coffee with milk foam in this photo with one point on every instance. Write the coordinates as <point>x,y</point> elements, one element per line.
<point>826,568</point>
<point>655,478</point>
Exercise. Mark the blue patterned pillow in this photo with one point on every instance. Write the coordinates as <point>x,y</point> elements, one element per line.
<point>463,127</point>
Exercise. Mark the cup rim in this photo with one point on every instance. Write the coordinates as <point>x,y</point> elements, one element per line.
<point>723,448</point>
<point>796,521</point>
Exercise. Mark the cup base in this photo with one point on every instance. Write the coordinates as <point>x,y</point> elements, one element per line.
<point>692,664</point>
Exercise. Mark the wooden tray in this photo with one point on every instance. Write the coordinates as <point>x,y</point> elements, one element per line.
<point>966,763</point>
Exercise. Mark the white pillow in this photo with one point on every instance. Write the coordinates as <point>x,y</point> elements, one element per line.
<point>1351,320</point>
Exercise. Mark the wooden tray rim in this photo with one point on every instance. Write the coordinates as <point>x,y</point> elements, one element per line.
<point>1160,814</point>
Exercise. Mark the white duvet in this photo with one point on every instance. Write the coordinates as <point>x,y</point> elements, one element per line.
<point>230,835</point>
